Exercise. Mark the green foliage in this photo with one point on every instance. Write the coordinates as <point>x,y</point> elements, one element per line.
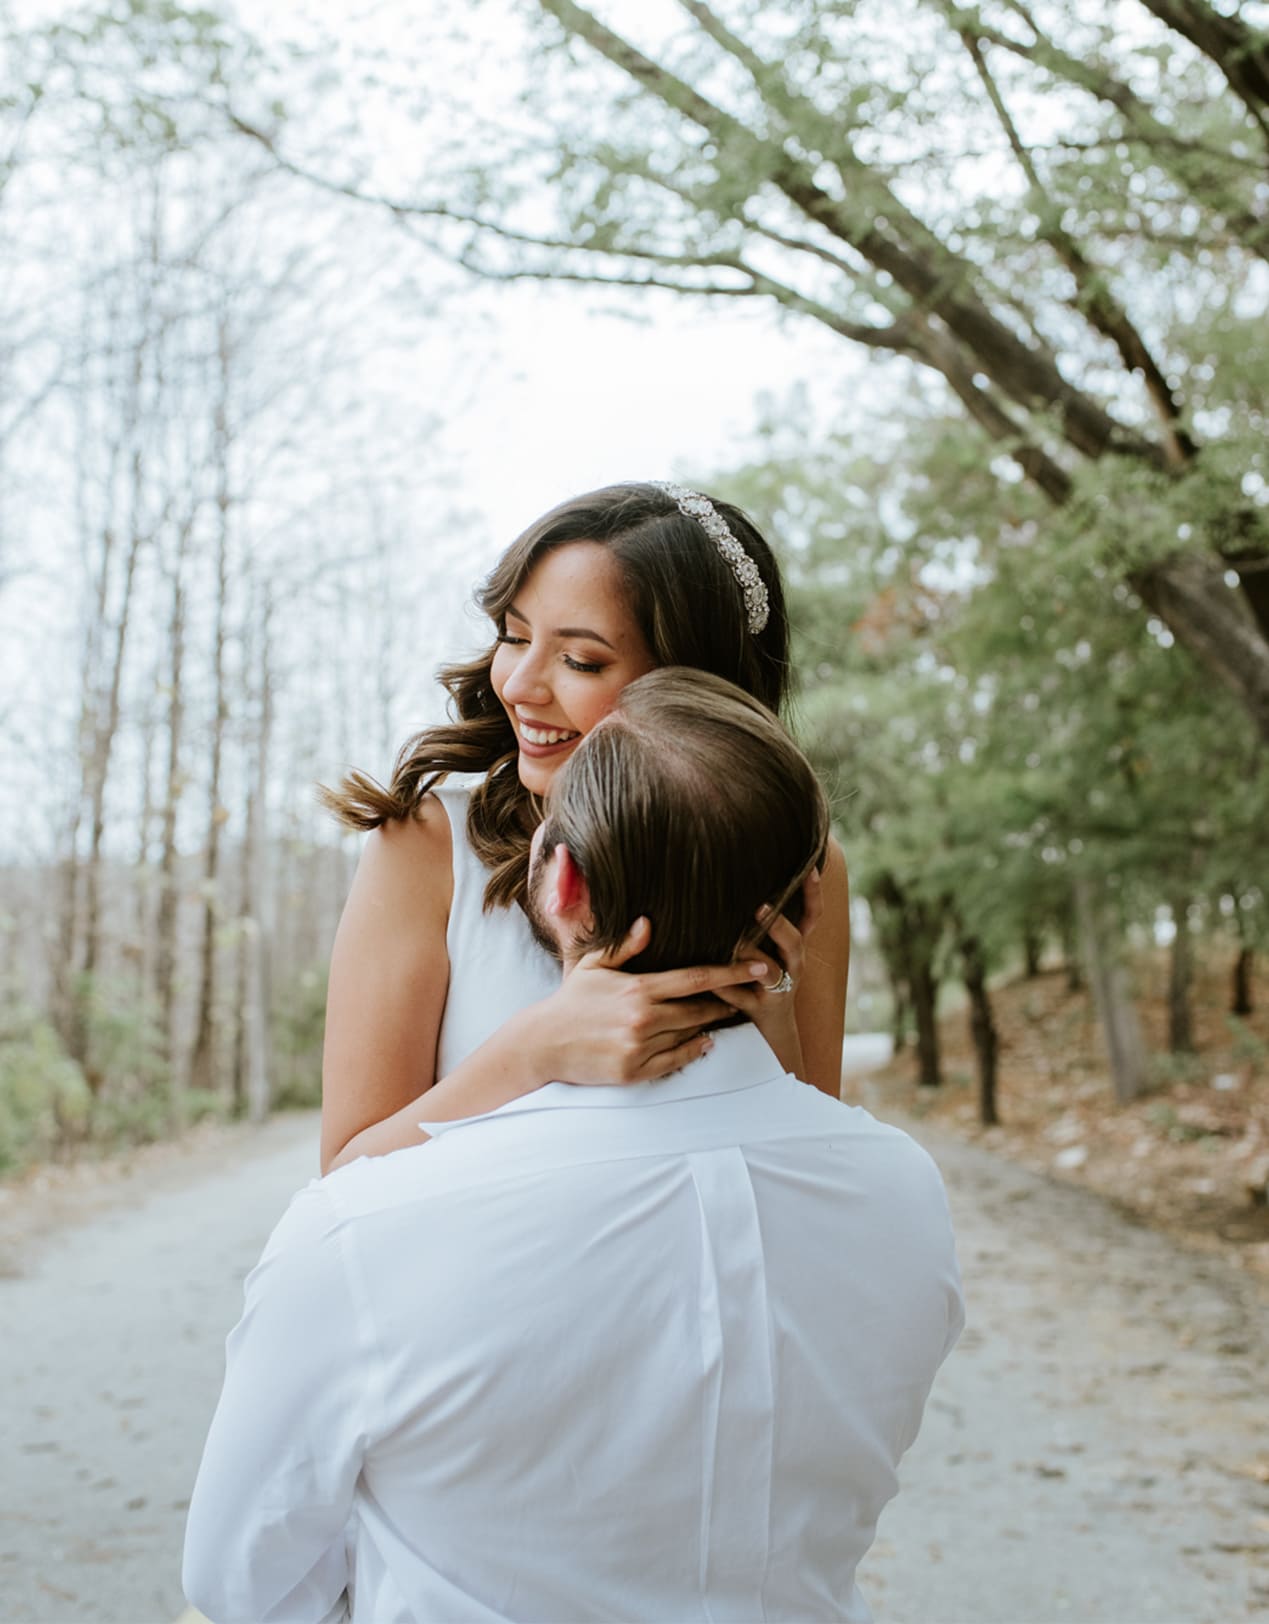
<point>44,1099</point>
<point>124,1061</point>
<point>123,1042</point>
<point>983,691</point>
<point>298,1025</point>
<point>1248,1049</point>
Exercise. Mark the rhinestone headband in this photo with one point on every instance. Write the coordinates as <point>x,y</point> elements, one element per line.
<point>700,508</point>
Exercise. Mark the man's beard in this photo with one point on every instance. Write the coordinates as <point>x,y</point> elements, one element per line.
<point>533,909</point>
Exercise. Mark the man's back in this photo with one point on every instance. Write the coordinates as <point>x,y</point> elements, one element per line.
<point>641,1353</point>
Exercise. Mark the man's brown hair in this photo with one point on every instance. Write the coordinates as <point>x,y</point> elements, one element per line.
<point>689,804</point>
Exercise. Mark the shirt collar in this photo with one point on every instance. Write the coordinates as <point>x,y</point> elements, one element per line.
<point>740,1058</point>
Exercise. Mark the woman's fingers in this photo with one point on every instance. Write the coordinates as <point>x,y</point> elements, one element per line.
<point>630,945</point>
<point>666,1061</point>
<point>678,1014</point>
<point>662,985</point>
<point>789,942</point>
<point>747,999</point>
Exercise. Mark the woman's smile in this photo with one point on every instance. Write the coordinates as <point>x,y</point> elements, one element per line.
<point>566,648</point>
<point>540,739</point>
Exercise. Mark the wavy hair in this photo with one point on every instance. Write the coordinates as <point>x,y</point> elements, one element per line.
<point>686,602</point>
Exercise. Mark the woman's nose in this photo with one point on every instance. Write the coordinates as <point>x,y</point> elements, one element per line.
<point>527,684</point>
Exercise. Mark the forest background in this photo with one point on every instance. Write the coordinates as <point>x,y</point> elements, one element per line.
<point>305,311</point>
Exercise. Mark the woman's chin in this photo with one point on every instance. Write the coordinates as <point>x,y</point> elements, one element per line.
<point>537,775</point>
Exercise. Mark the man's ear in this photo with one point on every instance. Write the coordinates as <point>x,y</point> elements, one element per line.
<point>567,897</point>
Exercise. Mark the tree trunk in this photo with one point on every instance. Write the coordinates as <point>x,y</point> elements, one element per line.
<point>145,822</point>
<point>243,963</point>
<point>1180,976</point>
<point>167,920</point>
<point>203,1056</point>
<point>107,726</point>
<point>890,948</point>
<point>65,968</point>
<point>1240,1001</point>
<point>1071,955</point>
<point>1032,953</point>
<point>257,946</point>
<point>910,931</point>
<point>1125,1050</point>
<point>898,1015</point>
<point>982,1027</point>
<point>1189,594</point>
<point>924,989</point>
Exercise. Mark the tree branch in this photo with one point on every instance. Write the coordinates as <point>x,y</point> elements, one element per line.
<point>1030,379</point>
<point>1251,232</point>
<point>944,356</point>
<point>1095,300</point>
<point>1240,52</point>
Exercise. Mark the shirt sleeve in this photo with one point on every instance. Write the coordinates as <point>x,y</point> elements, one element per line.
<point>265,1539</point>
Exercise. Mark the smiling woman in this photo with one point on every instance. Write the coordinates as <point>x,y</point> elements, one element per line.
<point>440,1003</point>
<point>555,681</point>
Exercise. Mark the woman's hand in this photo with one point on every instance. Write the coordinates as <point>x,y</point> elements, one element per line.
<point>606,1025</point>
<point>769,1001</point>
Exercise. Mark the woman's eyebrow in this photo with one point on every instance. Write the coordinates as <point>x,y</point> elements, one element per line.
<point>512,613</point>
<point>582,631</point>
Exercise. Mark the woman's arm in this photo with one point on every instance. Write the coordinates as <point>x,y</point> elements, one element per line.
<point>388,982</point>
<point>602,1026</point>
<point>805,1029</point>
<point>820,999</point>
<point>389,976</point>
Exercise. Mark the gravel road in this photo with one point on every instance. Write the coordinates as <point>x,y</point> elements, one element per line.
<point>1097,1448</point>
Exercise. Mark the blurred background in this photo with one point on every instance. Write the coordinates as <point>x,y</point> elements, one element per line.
<point>306,310</point>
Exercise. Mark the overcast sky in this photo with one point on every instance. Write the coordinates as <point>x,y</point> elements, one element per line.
<point>545,392</point>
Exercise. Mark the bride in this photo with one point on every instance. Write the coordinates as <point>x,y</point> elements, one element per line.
<point>441,1003</point>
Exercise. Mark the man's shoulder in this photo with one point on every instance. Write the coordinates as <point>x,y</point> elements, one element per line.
<point>374,1183</point>
<point>501,1149</point>
<point>891,1152</point>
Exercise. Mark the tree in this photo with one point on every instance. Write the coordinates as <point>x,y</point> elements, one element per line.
<point>1055,209</point>
<point>1011,745</point>
<point>191,411</point>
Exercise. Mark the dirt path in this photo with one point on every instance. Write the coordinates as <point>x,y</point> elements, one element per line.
<point>111,1361</point>
<point>1097,1448</point>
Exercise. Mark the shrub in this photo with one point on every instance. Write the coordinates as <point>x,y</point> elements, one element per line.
<point>299,1022</point>
<point>44,1099</point>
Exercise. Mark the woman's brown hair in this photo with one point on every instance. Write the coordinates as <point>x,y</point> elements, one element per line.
<point>686,602</point>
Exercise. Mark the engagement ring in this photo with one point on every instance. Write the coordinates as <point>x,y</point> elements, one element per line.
<point>785,984</point>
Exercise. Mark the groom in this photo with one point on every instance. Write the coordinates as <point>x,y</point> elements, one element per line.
<point>642,1352</point>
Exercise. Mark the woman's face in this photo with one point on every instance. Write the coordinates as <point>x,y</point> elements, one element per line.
<point>569,647</point>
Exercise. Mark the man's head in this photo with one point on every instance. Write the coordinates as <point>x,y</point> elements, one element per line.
<point>689,804</point>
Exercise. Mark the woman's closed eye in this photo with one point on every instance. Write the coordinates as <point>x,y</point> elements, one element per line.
<point>590,667</point>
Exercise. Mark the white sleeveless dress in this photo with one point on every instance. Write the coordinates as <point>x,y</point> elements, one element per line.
<point>495,966</point>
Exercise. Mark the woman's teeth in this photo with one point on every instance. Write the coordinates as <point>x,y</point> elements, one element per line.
<point>545,735</point>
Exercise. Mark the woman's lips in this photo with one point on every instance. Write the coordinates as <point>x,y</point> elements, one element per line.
<point>544,741</point>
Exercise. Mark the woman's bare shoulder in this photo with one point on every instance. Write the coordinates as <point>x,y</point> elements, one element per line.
<point>406,865</point>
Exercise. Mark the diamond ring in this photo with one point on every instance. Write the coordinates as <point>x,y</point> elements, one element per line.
<point>785,984</point>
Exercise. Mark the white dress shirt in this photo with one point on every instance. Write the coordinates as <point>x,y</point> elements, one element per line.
<point>648,1352</point>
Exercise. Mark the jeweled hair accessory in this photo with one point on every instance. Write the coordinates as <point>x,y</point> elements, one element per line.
<point>700,508</point>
